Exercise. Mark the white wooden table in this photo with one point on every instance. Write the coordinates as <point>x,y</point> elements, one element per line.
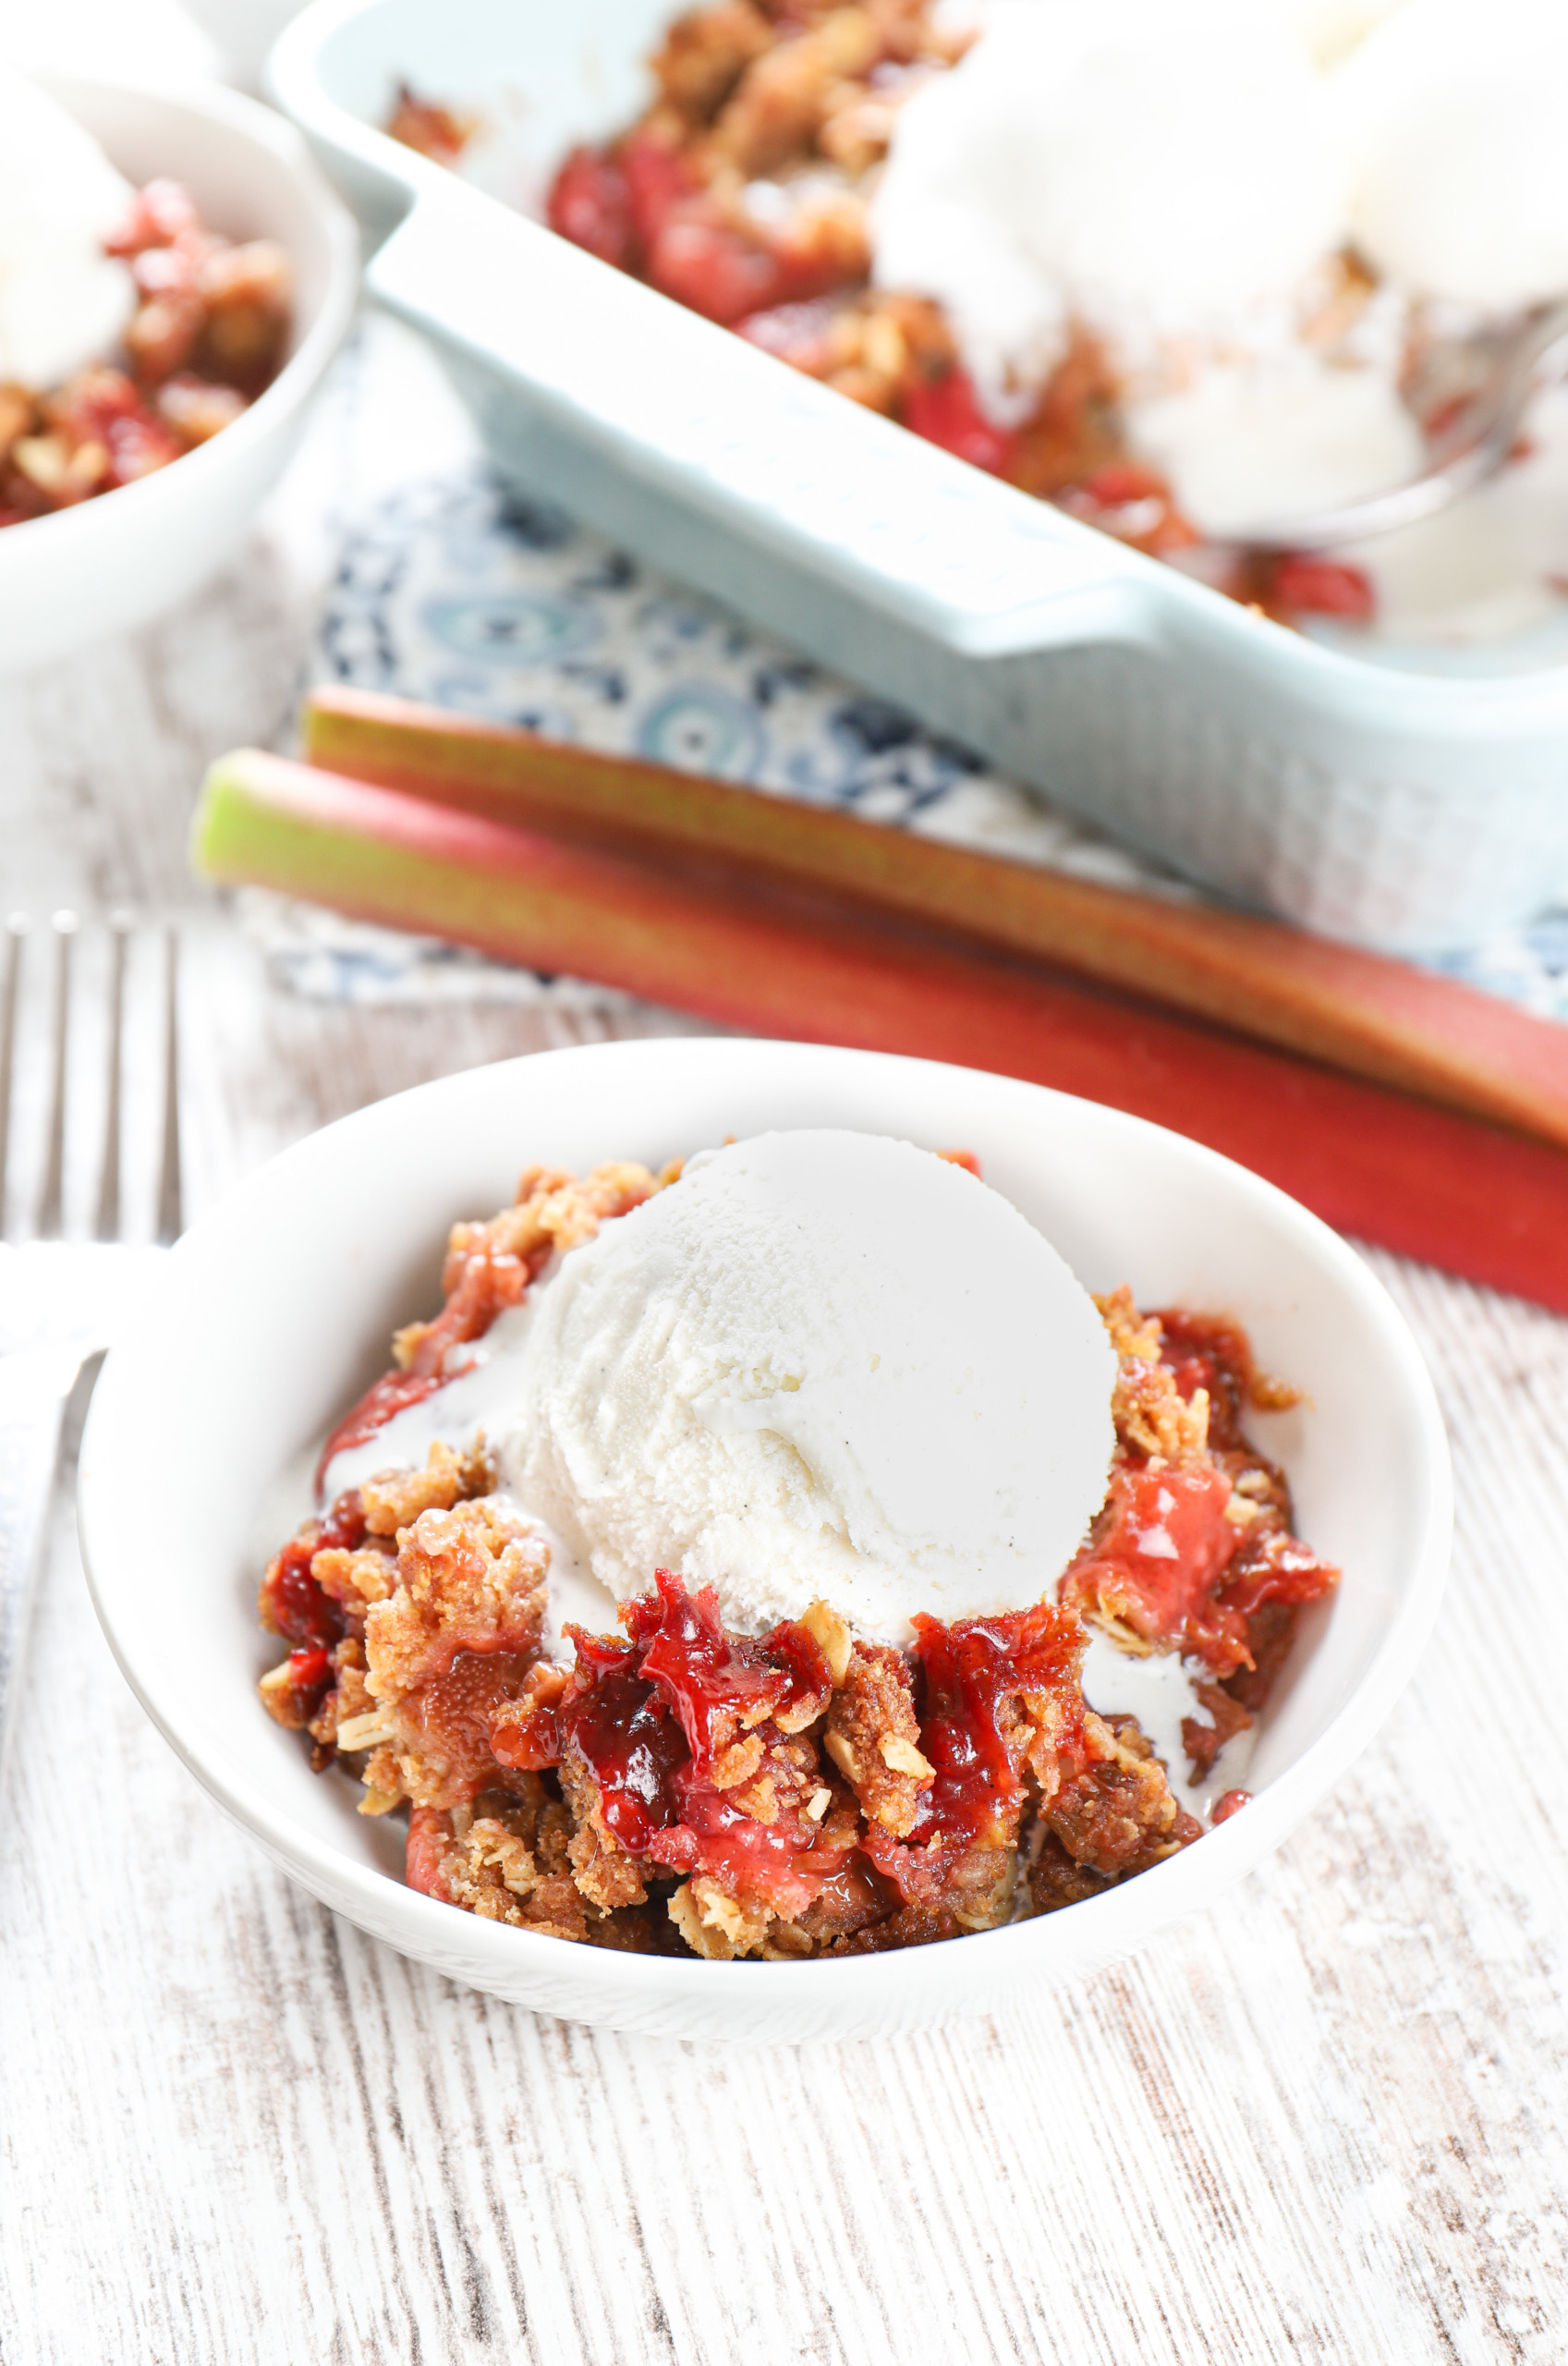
<point>1328,2122</point>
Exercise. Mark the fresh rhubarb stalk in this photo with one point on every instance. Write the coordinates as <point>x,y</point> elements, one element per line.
<point>1359,1012</point>
<point>1422,1181</point>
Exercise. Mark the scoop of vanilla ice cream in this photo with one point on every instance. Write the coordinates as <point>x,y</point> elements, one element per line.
<point>822,1364</point>
<point>1452,116</point>
<point>1177,163</point>
<point>1252,443</point>
<point>63,301</point>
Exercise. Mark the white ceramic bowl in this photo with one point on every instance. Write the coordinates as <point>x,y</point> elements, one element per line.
<point>276,1311</point>
<point>113,562</point>
<point>1395,806</point>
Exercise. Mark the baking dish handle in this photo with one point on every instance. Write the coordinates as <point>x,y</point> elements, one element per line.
<point>592,374</point>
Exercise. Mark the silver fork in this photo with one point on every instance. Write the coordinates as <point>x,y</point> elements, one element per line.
<point>69,1277</point>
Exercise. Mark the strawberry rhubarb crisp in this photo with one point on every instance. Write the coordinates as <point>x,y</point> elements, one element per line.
<point>908,1644</point>
<point>130,331</point>
<point>1197,271</point>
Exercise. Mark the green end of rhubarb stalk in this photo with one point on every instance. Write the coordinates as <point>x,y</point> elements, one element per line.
<point>261,821</point>
<point>250,830</point>
<point>381,855</point>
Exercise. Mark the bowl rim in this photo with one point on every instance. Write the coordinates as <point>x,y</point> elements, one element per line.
<point>261,128</point>
<point>1123,1916</point>
<point>1150,599</point>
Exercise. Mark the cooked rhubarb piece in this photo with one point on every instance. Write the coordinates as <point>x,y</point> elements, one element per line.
<point>1155,1565</point>
<point>1304,586</point>
<point>434,131</point>
<point>999,1701</point>
<point>292,1602</point>
<point>946,411</point>
<point>1194,1551</point>
<point>294,1691</point>
<point>590,204</point>
<point>688,1736</point>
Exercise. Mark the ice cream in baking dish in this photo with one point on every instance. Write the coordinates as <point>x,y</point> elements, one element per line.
<point>787,1555</point>
<point>1182,266</point>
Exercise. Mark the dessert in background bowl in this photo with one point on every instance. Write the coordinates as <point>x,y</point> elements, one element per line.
<point>130,332</point>
<point>176,278</point>
<point>269,1329</point>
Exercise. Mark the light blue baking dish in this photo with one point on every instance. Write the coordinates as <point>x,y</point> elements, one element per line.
<point>1397,808</point>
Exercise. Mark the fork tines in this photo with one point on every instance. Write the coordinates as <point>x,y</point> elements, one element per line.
<point>89,1079</point>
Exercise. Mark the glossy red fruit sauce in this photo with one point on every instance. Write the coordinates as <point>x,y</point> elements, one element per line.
<point>648,1718</point>
<point>487,1282</point>
<point>1208,1353</point>
<point>292,1602</point>
<point>1164,1543</point>
<point>965,1676</point>
<point>641,208</point>
<point>391,1393</point>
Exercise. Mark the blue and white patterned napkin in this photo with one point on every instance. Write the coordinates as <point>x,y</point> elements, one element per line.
<point>448,589</point>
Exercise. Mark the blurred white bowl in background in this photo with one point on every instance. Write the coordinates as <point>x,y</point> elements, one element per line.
<point>116,560</point>
<point>150,42</point>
